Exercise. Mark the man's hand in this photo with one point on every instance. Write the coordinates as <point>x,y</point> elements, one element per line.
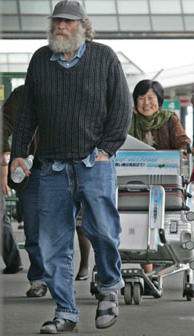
<point>19,162</point>
<point>102,157</point>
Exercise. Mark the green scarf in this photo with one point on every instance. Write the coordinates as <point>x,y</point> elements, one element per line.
<point>141,124</point>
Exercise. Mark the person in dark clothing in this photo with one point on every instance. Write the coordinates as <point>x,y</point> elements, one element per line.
<point>10,251</point>
<point>77,95</point>
<point>11,110</point>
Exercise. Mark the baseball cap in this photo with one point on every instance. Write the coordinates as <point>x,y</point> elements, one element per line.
<point>67,9</point>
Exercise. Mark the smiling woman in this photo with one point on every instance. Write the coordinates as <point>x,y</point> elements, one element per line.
<point>159,128</point>
<point>148,103</point>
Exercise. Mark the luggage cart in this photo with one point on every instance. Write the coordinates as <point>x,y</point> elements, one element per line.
<point>157,218</point>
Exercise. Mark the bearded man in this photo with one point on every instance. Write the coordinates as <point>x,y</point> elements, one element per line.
<point>77,95</point>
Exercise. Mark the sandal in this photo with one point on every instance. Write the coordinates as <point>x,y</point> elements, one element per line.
<point>107,310</point>
<point>57,326</point>
<point>37,289</point>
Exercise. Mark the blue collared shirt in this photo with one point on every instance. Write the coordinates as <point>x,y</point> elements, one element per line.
<point>59,57</point>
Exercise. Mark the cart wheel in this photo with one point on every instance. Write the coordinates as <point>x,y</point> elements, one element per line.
<point>128,294</point>
<point>158,296</point>
<point>137,297</point>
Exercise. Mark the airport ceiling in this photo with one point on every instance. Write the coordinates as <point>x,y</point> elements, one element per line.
<point>112,19</point>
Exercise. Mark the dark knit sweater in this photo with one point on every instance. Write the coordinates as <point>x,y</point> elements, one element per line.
<point>75,109</point>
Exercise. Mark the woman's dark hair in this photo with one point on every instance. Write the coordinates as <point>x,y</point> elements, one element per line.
<point>142,88</point>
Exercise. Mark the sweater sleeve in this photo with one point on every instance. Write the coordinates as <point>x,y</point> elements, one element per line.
<point>8,123</point>
<point>9,114</point>
<point>119,110</point>
<point>26,122</point>
<point>179,139</point>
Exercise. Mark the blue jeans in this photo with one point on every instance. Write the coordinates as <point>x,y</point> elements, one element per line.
<point>60,195</point>
<point>31,226</point>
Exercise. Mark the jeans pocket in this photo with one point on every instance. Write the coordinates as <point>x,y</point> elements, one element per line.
<point>105,170</point>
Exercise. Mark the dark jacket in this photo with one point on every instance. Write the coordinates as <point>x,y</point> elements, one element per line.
<point>171,135</point>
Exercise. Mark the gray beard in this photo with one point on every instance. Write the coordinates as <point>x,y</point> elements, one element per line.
<point>62,44</point>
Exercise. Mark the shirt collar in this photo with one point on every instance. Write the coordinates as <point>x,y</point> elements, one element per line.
<point>60,56</point>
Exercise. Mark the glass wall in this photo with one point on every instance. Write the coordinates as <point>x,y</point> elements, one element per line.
<point>26,16</point>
